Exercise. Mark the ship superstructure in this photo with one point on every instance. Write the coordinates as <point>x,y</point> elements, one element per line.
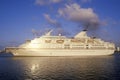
<point>48,45</point>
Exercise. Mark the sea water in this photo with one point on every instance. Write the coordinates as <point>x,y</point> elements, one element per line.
<point>60,68</point>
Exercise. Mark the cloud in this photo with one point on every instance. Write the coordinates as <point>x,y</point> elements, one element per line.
<point>46,2</point>
<point>57,25</point>
<point>109,22</point>
<point>75,13</point>
<point>85,1</point>
<point>51,21</point>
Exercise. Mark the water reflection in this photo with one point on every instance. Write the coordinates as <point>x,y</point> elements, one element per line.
<point>61,68</point>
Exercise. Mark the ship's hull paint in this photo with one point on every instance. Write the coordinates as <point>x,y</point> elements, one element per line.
<point>62,52</point>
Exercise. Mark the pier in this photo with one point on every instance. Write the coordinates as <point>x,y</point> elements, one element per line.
<point>117,50</point>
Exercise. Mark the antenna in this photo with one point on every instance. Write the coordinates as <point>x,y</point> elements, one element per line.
<point>48,33</point>
<point>35,33</point>
<point>86,26</point>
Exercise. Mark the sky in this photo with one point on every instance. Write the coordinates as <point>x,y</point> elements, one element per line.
<point>20,19</point>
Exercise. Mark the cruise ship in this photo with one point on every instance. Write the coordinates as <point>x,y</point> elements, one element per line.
<point>51,45</point>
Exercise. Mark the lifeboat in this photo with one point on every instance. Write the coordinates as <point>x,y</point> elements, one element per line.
<point>59,41</point>
<point>47,41</point>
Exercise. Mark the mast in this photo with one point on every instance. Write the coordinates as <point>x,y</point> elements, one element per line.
<point>48,33</point>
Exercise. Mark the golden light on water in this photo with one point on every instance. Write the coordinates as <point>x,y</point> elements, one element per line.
<point>34,68</point>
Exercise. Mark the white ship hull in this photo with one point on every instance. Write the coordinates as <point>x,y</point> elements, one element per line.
<point>62,52</point>
<point>47,45</point>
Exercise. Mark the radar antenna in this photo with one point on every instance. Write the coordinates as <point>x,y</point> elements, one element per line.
<point>35,33</point>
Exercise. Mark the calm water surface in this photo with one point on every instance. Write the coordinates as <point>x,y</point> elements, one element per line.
<point>60,68</point>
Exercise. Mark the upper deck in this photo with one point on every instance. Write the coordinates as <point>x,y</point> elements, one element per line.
<point>80,41</point>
